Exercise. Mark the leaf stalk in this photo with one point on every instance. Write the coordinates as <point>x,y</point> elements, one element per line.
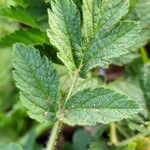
<point>54,135</point>
<point>113,134</point>
<point>58,124</point>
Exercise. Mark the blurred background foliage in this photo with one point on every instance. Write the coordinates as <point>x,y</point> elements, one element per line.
<point>26,21</point>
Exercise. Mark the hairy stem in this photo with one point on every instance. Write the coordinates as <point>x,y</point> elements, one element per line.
<point>57,126</point>
<point>113,134</point>
<point>73,85</point>
<point>54,136</point>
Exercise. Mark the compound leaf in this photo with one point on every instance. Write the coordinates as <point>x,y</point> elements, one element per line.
<point>105,36</point>
<point>65,32</point>
<point>38,82</point>
<point>101,105</point>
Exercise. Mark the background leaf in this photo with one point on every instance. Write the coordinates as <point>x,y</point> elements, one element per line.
<point>139,11</point>
<point>28,12</point>
<point>19,14</point>
<point>26,36</point>
<point>10,147</point>
<point>81,140</point>
<point>145,82</point>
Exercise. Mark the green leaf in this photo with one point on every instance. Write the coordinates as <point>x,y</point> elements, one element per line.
<point>143,39</point>
<point>142,8</point>
<point>115,43</point>
<point>132,91</point>
<point>131,146</point>
<point>19,14</point>
<point>140,11</point>
<point>140,143</point>
<point>22,3</point>
<point>38,11</point>
<point>99,16</point>
<point>125,59</point>
<point>81,140</point>
<point>29,140</point>
<point>101,105</point>
<point>78,3</point>
<point>145,82</point>
<point>105,36</point>
<point>132,70</point>
<point>10,147</point>
<point>65,32</point>
<point>38,82</point>
<point>26,36</point>
<point>99,144</point>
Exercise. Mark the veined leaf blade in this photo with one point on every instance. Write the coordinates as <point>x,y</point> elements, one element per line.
<point>103,50</point>
<point>18,13</point>
<point>65,32</point>
<point>38,82</point>
<point>99,16</point>
<point>101,105</point>
<point>25,36</point>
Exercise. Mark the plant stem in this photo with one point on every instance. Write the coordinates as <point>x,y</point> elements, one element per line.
<point>57,126</point>
<point>113,134</point>
<point>54,135</point>
<point>144,55</point>
<point>73,84</point>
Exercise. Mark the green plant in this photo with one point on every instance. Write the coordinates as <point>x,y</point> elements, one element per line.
<point>102,40</point>
<point>57,88</point>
